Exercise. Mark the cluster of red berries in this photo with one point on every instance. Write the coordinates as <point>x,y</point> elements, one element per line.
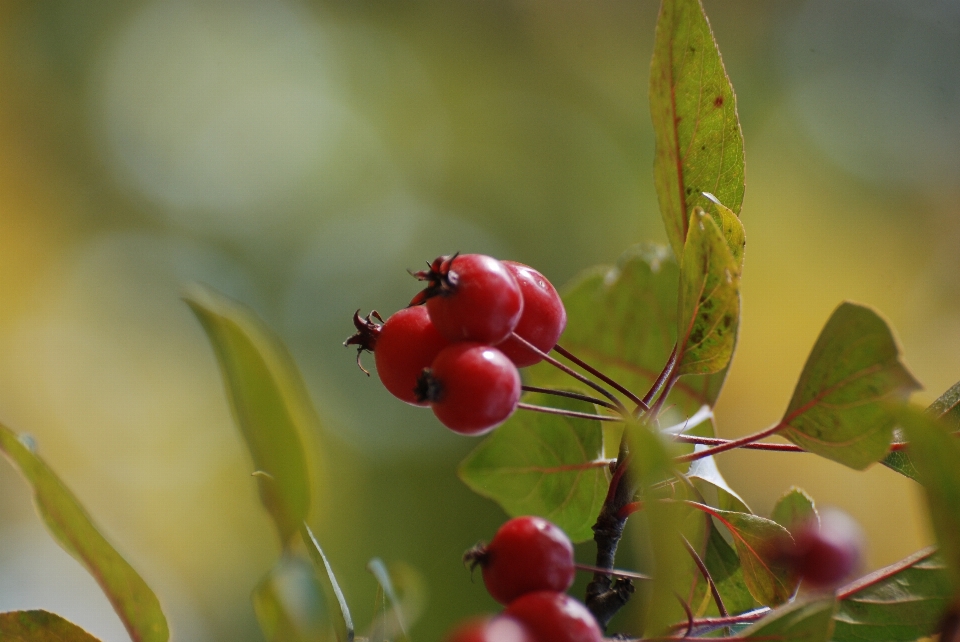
<point>458,345</point>
<point>527,567</point>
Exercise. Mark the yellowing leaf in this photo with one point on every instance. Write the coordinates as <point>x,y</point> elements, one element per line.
<point>73,529</point>
<point>709,306</point>
<point>40,626</point>
<point>694,112</point>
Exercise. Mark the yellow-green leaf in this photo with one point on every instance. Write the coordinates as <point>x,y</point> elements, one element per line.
<point>800,621</point>
<point>269,401</point>
<point>699,144</point>
<point>73,529</point>
<point>40,626</point>
<point>623,321</point>
<point>709,304</point>
<point>936,454</point>
<point>795,508</point>
<point>839,408</point>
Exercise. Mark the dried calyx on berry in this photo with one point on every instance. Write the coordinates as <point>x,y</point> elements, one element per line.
<point>440,279</point>
<point>366,335</point>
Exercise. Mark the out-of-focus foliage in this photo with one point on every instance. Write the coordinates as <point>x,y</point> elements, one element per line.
<point>298,156</point>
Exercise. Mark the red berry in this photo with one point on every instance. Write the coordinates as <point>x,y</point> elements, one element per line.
<point>555,617</point>
<point>405,345</point>
<point>823,556</point>
<point>527,554</point>
<point>471,297</point>
<point>542,320</point>
<point>499,629</point>
<point>472,388</point>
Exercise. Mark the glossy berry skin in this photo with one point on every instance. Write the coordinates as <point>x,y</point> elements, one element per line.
<point>527,554</point>
<point>543,318</point>
<point>472,297</point>
<point>554,617</point>
<point>406,344</point>
<point>471,387</point>
<point>499,629</point>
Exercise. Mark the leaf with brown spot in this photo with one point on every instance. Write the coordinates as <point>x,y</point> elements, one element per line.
<point>694,112</point>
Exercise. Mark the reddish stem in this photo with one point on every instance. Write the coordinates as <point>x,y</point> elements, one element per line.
<point>569,395</point>
<point>713,441</point>
<point>655,388</point>
<point>706,576</point>
<point>566,413</point>
<point>599,375</point>
<point>570,371</point>
<point>730,445</point>
<point>612,571</point>
<point>629,509</point>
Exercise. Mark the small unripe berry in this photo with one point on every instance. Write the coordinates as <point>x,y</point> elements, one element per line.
<point>526,555</point>
<point>555,617</point>
<point>822,556</point>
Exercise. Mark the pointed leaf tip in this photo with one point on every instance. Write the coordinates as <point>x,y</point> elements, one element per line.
<point>840,407</point>
<point>269,401</point>
<point>699,146</point>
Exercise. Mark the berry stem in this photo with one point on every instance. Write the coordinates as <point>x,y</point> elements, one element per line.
<point>570,371</point>
<point>566,413</point>
<point>713,441</point>
<point>733,443</point>
<point>655,388</point>
<point>570,395</point>
<point>612,571</point>
<point>596,373</point>
<point>706,575</point>
<point>704,625</point>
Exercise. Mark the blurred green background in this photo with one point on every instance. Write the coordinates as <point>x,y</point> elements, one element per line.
<point>302,156</point>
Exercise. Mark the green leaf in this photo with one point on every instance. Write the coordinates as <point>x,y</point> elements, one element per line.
<point>709,305</point>
<point>713,488</point>
<point>289,603</point>
<point>344,626</point>
<point>76,533</point>
<point>946,407</point>
<point>839,408</point>
<point>40,626</point>
<point>623,321</point>
<point>541,464</point>
<point>651,463</point>
<point>403,586</point>
<point>899,603</point>
<point>795,508</point>
<point>729,223</point>
<point>269,402</point>
<point>769,583</point>
<point>800,621</point>
<point>936,453</point>
<point>725,569</point>
<point>694,112</point>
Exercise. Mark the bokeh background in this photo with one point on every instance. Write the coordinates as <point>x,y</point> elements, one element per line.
<point>301,156</point>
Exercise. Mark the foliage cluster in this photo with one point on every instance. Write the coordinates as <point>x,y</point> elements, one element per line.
<point>663,321</point>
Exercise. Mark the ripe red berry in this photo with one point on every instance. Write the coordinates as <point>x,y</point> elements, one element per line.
<point>471,297</point>
<point>542,320</point>
<point>406,344</point>
<point>472,388</point>
<point>499,629</point>
<point>555,617</point>
<point>823,556</point>
<point>527,554</point>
